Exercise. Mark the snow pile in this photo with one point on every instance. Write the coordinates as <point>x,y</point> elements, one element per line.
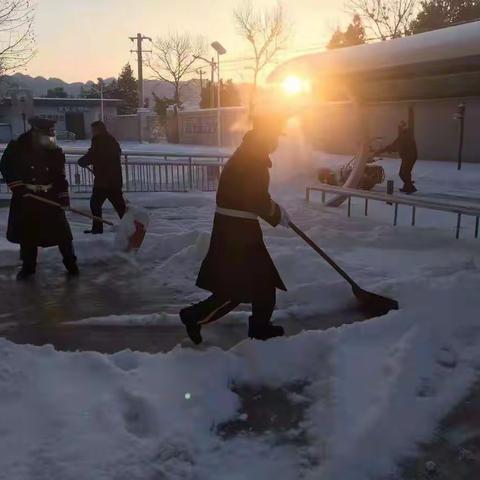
<point>345,403</point>
<point>397,377</point>
<point>371,391</point>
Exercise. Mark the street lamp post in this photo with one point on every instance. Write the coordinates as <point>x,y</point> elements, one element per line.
<point>102,110</point>
<point>220,49</point>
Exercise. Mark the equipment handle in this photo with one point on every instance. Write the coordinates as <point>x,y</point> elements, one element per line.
<point>78,212</point>
<point>323,255</point>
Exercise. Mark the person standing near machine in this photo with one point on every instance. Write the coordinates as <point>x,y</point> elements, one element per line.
<point>406,146</point>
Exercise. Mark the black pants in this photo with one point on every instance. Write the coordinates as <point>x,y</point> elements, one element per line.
<point>99,195</point>
<point>29,253</point>
<point>215,307</point>
<point>406,172</point>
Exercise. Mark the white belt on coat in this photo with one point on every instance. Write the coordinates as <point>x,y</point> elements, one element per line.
<point>38,188</point>
<point>236,213</point>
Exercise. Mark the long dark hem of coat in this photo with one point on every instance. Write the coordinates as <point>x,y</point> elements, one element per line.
<point>238,265</point>
<point>33,223</point>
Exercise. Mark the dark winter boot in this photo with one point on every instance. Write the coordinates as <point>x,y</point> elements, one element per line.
<point>71,266</point>
<point>72,269</point>
<point>25,274</point>
<point>264,331</point>
<point>408,189</point>
<point>189,318</point>
<point>69,258</point>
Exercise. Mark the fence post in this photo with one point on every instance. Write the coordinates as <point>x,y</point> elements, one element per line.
<point>190,172</point>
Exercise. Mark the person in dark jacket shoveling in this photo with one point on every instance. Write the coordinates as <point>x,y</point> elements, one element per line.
<point>238,268</point>
<point>33,164</point>
<point>104,156</point>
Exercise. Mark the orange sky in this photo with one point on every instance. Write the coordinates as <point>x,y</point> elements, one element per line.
<point>79,40</point>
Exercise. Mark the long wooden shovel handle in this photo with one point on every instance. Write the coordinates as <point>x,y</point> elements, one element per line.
<point>323,255</point>
<point>78,212</point>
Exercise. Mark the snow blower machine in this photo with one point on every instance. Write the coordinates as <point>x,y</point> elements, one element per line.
<point>373,175</point>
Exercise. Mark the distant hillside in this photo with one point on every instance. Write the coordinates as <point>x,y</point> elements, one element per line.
<point>40,85</point>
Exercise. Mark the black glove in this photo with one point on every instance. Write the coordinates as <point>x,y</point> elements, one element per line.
<point>20,191</point>
<point>64,200</point>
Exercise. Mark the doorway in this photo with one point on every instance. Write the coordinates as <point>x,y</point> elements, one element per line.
<point>75,123</point>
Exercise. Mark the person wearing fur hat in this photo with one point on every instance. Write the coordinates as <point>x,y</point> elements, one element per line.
<point>34,164</point>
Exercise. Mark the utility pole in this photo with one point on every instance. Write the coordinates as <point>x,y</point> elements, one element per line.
<point>139,51</point>
<point>201,73</point>
<point>213,65</point>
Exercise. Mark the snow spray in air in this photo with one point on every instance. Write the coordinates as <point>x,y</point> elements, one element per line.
<point>132,229</point>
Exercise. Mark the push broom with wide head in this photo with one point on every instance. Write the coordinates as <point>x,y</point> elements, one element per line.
<point>372,304</point>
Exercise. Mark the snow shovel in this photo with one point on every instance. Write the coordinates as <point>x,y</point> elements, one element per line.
<point>372,304</point>
<point>131,230</point>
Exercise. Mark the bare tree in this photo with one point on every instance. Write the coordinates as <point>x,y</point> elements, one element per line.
<point>384,19</point>
<point>266,31</point>
<point>174,58</point>
<point>17,39</point>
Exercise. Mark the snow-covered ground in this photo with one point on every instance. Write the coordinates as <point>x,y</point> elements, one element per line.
<point>348,402</point>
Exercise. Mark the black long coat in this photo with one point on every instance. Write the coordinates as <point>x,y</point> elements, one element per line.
<point>105,157</point>
<point>238,265</point>
<point>31,222</point>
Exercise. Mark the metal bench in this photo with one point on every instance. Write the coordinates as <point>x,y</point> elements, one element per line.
<point>396,200</point>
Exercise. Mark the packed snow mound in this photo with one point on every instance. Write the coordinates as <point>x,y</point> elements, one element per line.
<point>361,395</point>
<point>370,391</point>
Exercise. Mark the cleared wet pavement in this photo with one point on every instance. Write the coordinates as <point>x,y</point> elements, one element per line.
<point>45,309</point>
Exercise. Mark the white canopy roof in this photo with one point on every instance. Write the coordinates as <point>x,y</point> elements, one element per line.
<point>449,50</point>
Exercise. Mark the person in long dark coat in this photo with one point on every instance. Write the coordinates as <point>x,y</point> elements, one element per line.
<point>33,164</point>
<point>104,156</point>
<point>406,147</point>
<point>238,268</point>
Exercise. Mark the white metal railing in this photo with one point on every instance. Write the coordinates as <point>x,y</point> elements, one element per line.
<point>150,171</point>
<point>396,200</point>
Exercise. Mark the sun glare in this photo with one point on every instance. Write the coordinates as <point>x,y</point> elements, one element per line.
<point>293,85</point>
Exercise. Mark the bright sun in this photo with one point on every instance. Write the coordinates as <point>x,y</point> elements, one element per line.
<point>294,85</point>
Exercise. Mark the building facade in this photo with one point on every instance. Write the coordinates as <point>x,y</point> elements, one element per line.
<point>199,127</point>
<point>334,128</point>
<point>73,116</point>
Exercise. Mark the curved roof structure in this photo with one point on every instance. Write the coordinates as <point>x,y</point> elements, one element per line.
<point>447,51</point>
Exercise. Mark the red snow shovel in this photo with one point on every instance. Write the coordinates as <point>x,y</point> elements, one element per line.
<point>133,228</point>
<point>372,304</point>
